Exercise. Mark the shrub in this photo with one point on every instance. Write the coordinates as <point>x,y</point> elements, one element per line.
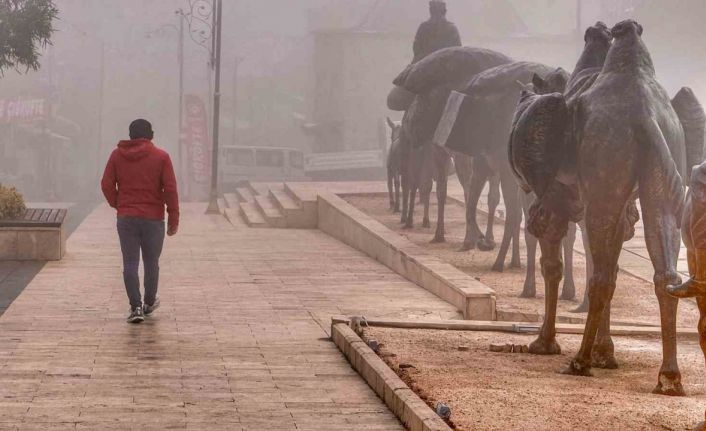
<point>12,204</point>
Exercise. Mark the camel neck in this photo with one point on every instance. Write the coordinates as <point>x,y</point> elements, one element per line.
<point>629,54</point>
<point>593,55</point>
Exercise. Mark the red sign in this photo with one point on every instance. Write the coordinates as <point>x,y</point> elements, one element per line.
<point>21,110</point>
<point>197,145</point>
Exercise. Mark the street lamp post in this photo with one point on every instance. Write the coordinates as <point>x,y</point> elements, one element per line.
<point>180,54</point>
<point>213,196</point>
<point>208,35</point>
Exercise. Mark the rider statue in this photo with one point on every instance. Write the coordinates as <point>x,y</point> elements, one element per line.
<point>436,33</point>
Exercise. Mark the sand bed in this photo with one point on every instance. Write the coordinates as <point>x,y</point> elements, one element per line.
<point>634,299</point>
<point>501,391</point>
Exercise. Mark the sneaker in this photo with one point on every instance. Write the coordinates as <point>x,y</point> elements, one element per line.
<point>149,309</point>
<point>136,315</point>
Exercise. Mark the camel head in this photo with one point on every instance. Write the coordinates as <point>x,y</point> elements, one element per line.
<point>625,28</point>
<point>554,82</point>
<point>598,33</point>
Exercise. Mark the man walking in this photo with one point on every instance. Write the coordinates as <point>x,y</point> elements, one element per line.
<point>138,181</point>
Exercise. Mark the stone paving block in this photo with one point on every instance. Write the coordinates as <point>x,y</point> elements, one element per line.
<point>238,336</point>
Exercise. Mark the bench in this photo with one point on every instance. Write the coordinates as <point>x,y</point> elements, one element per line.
<point>37,235</point>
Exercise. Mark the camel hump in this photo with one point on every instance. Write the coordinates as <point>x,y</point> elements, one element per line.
<point>693,120</point>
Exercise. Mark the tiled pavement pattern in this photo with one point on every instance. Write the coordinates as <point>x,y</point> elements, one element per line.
<point>238,344</point>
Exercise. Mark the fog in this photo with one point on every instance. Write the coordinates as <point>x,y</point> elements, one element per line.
<point>311,75</point>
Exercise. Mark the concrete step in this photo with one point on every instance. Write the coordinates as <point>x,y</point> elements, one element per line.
<point>283,201</point>
<point>231,200</point>
<point>222,205</point>
<point>233,215</point>
<point>245,194</point>
<point>252,215</point>
<point>293,194</point>
<point>270,212</point>
<point>296,216</point>
<point>307,201</point>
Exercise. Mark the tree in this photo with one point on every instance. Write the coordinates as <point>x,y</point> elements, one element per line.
<point>25,26</point>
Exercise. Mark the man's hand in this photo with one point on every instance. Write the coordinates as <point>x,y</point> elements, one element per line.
<point>172,230</point>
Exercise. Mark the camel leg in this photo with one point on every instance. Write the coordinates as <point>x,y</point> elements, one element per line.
<point>529,290</point>
<point>701,301</point>
<point>390,175</point>
<point>409,224</point>
<point>396,180</point>
<point>415,173</point>
<point>475,189</point>
<point>605,231</point>
<point>568,292</point>
<point>589,269</point>
<point>546,343</point>
<point>441,189</point>
<point>425,197</point>
<point>513,217</point>
<point>488,242</point>
<point>603,354</point>
<point>439,170</point>
<point>464,171</point>
<point>516,261</point>
<point>663,242</point>
<point>405,196</point>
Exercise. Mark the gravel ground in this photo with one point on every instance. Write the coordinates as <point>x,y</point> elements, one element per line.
<point>634,299</point>
<point>505,391</point>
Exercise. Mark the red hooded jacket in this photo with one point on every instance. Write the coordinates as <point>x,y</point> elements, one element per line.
<point>139,180</point>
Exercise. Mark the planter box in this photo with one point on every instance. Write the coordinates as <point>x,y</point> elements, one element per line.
<point>38,235</point>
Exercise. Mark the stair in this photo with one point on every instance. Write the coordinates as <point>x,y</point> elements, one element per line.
<point>271,205</point>
<point>231,200</point>
<point>245,194</point>
<point>269,210</point>
<point>251,215</point>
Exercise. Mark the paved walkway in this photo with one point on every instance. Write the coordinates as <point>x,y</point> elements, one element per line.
<point>239,343</point>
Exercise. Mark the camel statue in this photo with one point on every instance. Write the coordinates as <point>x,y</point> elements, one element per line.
<point>694,234</point>
<point>693,226</point>
<point>432,79</point>
<point>535,152</point>
<point>481,129</point>
<point>592,154</point>
<point>425,164</point>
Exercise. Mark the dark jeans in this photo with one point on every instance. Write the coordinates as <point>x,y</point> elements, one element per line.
<point>140,234</point>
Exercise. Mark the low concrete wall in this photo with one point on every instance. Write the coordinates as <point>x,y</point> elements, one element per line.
<point>32,243</point>
<point>401,400</point>
<point>346,223</point>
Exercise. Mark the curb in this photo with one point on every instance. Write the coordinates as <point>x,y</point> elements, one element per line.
<point>414,413</point>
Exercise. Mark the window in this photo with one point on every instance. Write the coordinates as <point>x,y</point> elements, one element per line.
<point>240,157</point>
<point>270,158</point>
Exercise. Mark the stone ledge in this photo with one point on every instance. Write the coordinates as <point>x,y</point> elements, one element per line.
<point>339,219</point>
<point>414,414</point>
<point>32,243</point>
